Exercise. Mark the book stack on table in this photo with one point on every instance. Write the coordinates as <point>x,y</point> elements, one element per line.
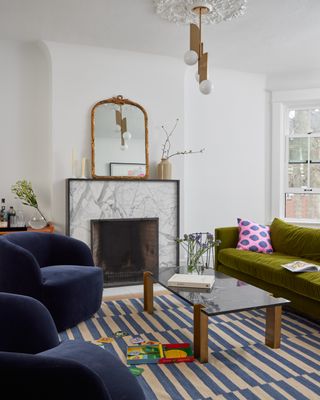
<point>191,281</point>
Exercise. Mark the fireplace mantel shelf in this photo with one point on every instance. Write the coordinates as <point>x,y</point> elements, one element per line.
<point>122,180</point>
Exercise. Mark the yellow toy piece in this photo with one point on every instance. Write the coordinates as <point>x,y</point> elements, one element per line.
<point>175,354</point>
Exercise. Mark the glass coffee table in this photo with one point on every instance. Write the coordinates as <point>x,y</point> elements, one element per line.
<point>228,295</point>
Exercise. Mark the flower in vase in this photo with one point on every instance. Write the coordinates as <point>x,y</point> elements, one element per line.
<point>199,248</point>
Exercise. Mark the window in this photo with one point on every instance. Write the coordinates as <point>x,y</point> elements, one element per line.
<point>302,163</point>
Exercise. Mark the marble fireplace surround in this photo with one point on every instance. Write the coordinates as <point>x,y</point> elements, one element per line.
<point>89,199</point>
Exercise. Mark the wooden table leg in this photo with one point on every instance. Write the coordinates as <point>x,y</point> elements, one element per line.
<point>204,338</point>
<point>196,329</point>
<point>148,291</point>
<point>273,326</point>
<point>200,333</point>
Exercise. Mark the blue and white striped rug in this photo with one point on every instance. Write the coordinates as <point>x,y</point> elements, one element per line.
<point>240,365</point>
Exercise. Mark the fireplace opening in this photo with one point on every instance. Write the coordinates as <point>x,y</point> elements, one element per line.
<point>125,248</point>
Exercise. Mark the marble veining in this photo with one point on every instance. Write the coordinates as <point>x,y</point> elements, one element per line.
<point>99,199</point>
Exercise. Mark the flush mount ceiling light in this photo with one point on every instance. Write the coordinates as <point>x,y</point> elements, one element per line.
<point>198,12</point>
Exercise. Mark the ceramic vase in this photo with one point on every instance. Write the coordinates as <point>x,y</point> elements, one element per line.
<point>164,169</point>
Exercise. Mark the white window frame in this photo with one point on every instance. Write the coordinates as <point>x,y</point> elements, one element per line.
<point>282,102</point>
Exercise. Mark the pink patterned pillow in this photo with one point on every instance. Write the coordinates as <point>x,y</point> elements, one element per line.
<point>254,237</point>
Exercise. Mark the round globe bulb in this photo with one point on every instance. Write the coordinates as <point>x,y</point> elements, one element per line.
<point>127,135</point>
<point>118,128</point>
<point>124,147</point>
<point>205,86</point>
<point>190,57</point>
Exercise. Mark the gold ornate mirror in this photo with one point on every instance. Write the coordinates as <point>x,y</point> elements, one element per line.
<point>119,140</point>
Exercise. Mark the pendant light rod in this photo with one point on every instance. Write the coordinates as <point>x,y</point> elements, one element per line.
<point>196,12</point>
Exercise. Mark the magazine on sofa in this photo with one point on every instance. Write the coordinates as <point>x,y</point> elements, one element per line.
<point>301,266</point>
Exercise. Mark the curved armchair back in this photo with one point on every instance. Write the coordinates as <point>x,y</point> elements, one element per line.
<point>55,269</point>
<point>36,243</point>
<point>53,248</point>
<point>26,325</point>
<point>36,377</point>
<point>19,270</point>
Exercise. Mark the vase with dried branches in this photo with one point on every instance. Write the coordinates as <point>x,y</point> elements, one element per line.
<point>165,166</point>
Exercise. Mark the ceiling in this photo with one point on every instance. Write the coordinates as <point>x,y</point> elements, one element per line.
<point>274,35</point>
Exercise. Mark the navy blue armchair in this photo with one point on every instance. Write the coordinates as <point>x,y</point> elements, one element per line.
<point>55,269</point>
<point>35,365</point>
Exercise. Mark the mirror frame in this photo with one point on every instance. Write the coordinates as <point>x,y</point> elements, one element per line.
<point>120,101</point>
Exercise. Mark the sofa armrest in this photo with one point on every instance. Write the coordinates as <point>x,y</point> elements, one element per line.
<point>228,236</point>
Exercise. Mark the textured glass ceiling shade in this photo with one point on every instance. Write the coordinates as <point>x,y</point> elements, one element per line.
<point>180,11</point>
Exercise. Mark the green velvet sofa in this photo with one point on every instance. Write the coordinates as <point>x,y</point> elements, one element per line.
<point>289,243</point>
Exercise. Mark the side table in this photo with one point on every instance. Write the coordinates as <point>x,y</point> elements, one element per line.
<point>49,228</point>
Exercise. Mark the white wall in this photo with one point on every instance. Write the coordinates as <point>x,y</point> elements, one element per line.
<point>46,98</point>
<point>308,79</point>
<point>82,76</point>
<point>229,179</point>
<point>25,140</point>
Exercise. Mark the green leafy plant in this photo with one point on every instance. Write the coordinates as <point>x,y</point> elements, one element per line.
<point>24,191</point>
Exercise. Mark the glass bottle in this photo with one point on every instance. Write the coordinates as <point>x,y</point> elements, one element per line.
<point>3,215</point>
<point>11,217</point>
<point>20,219</point>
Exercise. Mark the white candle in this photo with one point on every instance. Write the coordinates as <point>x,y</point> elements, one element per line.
<point>83,168</point>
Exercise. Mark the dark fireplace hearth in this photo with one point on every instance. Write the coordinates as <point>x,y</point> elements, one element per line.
<point>125,248</point>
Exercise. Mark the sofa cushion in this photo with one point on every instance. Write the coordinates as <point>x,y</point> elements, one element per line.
<point>254,237</point>
<point>64,286</point>
<point>267,267</point>
<point>295,240</point>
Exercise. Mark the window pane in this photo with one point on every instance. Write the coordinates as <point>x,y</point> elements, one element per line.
<point>315,149</point>
<point>297,175</point>
<point>304,121</point>
<point>315,120</point>
<point>302,206</point>
<point>298,149</point>
<point>315,175</point>
<point>299,122</point>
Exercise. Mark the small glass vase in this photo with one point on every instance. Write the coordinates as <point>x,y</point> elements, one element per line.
<point>195,270</point>
<point>38,221</point>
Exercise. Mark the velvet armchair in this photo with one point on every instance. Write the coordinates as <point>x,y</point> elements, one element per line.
<point>35,365</point>
<point>55,269</point>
